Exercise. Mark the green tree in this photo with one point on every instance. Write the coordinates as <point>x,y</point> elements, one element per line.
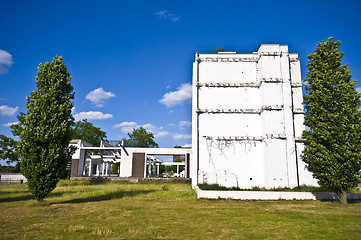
<point>143,138</point>
<point>332,148</point>
<point>86,131</point>
<point>8,149</point>
<point>45,129</point>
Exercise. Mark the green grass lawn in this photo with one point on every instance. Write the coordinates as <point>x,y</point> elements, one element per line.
<point>118,210</point>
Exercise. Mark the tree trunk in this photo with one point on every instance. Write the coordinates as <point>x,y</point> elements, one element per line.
<point>342,197</point>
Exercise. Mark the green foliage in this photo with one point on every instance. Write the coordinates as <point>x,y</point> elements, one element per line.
<point>115,167</point>
<point>45,129</point>
<point>206,186</point>
<point>8,149</point>
<point>143,138</point>
<point>86,131</point>
<point>332,148</point>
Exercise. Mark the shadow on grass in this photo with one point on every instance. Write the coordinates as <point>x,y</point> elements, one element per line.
<point>12,192</point>
<point>107,196</point>
<point>28,196</point>
<point>94,181</point>
<point>19,198</point>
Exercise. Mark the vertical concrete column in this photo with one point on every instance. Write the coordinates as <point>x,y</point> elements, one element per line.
<point>81,162</point>
<point>148,169</point>
<point>188,165</point>
<point>195,126</point>
<point>259,78</point>
<point>288,118</point>
<point>90,167</point>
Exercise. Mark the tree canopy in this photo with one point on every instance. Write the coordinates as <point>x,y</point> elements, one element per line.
<point>86,131</point>
<point>45,129</point>
<point>143,138</point>
<point>332,148</point>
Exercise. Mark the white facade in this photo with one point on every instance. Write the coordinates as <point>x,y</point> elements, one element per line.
<point>247,119</point>
<point>98,160</point>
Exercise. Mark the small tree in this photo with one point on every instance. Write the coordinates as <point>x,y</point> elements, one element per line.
<point>8,149</point>
<point>86,131</point>
<point>332,148</point>
<point>143,138</point>
<point>45,130</point>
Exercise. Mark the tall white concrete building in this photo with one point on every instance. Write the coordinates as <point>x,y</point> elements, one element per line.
<point>248,119</point>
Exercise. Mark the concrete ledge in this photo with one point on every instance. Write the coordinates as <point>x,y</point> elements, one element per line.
<point>268,195</point>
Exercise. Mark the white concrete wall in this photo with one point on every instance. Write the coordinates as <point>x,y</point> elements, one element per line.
<point>126,164</point>
<point>265,195</point>
<point>243,98</point>
<point>229,72</point>
<point>247,113</point>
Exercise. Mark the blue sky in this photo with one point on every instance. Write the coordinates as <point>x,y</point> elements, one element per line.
<point>131,61</point>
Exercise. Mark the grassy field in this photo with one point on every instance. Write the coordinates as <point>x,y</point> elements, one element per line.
<point>166,211</point>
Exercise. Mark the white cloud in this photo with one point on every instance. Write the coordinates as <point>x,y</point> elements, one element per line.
<point>92,115</point>
<point>182,136</point>
<point>187,145</point>
<point>358,89</point>
<point>183,124</point>
<point>5,110</point>
<point>164,14</point>
<point>10,124</point>
<point>6,60</point>
<point>98,96</point>
<point>125,124</point>
<point>152,128</point>
<point>171,124</point>
<point>127,127</point>
<point>184,93</point>
<point>161,134</point>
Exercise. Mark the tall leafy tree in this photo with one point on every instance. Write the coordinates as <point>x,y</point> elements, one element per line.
<point>143,138</point>
<point>45,129</point>
<point>86,131</point>
<point>332,148</point>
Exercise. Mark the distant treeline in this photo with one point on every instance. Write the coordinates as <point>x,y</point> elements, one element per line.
<point>10,169</point>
